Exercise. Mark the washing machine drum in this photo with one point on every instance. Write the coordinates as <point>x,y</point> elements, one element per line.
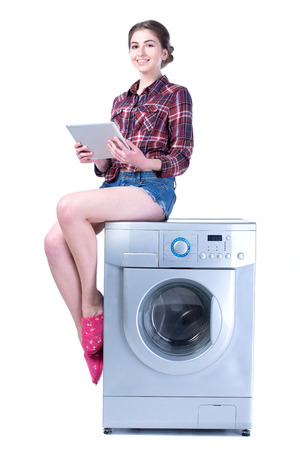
<point>178,322</point>
<point>176,319</point>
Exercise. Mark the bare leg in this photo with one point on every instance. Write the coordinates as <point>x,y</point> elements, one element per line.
<point>65,273</point>
<point>77,212</point>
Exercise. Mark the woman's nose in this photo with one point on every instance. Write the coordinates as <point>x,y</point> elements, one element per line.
<point>141,51</point>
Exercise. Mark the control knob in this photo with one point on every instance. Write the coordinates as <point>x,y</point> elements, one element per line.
<point>180,247</point>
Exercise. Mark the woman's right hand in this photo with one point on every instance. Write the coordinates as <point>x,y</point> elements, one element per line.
<point>82,153</point>
<point>85,156</point>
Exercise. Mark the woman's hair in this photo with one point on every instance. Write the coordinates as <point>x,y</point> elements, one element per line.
<point>160,32</point>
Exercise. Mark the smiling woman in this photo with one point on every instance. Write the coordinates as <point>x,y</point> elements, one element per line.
<point>155,118</point>
<point>161,34</point>
<point>147,55</point>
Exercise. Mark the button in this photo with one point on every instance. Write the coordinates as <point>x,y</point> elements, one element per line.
<point>228,238</point>
<point>202,255</point>
<point>211,255</point>
<point>241,255</point>
<point>228,256</point>
<point>220,256</point>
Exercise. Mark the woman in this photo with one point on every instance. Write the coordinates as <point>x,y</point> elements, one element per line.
<point>155,118</point>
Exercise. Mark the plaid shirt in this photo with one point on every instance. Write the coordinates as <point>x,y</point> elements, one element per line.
<point>159,123</point>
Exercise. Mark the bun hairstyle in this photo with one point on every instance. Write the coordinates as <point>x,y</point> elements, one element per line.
<point>160,32</point>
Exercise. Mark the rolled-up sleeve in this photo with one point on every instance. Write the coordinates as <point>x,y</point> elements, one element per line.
<point>180,135</point>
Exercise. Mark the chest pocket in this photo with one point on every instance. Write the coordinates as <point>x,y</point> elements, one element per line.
<point>121,117</point>
<point>145,117</point>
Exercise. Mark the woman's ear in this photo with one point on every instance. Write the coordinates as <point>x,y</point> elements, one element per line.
<point>165,54</point>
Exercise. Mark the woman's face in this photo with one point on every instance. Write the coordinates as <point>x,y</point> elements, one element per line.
<point>146,52</point>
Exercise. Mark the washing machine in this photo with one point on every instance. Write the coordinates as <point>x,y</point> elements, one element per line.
<point>178,328</point>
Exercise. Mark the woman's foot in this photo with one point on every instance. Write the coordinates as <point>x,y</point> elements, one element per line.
<point>92,334</point>
<point>95,365</point>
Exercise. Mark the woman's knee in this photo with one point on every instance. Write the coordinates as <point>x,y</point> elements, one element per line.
<point>76,207</point>
<point>66,209</point>
<point>54,243</point>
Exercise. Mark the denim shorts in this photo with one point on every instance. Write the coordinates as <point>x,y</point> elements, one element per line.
<point>161,190</point>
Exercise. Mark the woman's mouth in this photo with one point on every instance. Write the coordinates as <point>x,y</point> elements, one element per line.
<point>142,61</point>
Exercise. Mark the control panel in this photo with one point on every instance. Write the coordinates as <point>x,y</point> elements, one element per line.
<point>216,246</point>
<point>206,249</point>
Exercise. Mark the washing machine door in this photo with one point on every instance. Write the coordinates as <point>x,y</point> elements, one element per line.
<point>178,321</point>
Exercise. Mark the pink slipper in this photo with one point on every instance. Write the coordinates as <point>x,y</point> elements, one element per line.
<point>92,334</point>
<point>95,365</point>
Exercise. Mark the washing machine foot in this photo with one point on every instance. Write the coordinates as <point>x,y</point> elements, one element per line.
<point>107,430</point>
<point>246,432</point>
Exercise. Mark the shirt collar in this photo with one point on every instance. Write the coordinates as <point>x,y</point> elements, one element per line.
<point>156,86</point>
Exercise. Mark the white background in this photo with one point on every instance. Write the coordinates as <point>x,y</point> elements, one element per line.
<point>64,62</point>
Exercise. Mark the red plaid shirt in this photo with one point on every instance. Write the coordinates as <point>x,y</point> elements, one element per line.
<point>159,123</point>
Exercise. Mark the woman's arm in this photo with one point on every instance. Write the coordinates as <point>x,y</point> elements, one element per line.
<point>180,127</point>
<point>102,165</point>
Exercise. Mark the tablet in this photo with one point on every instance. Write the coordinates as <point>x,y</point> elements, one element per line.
<point>95,136</point>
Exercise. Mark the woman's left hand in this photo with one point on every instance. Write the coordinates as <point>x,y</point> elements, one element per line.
<point>134,156</point>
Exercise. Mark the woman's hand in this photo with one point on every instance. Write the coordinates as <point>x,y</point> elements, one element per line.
<point>134,156</point>
<point>85,156</point>
<point>82,153</point>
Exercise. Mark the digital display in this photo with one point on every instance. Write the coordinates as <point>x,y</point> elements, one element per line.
<point>214,237</point>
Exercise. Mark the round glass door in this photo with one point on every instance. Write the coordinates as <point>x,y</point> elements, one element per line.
<point>174,319</point>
